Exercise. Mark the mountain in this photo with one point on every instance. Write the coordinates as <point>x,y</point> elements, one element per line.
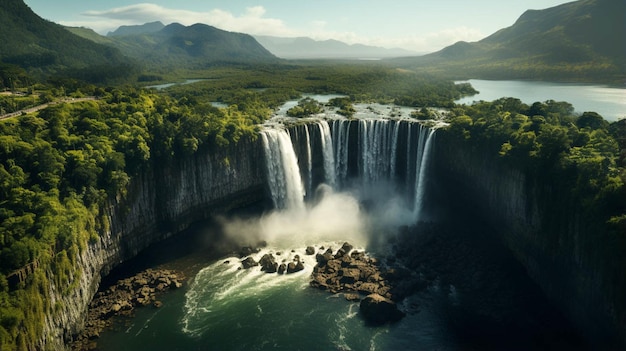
<point>43,48</point>
<point>303,47</point>
<point>579,41</point>
<point>151,27</point>
<point>193,47</point>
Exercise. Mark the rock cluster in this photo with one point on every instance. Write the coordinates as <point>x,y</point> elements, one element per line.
<point>121,299</point>
<point>346,271</point>
<point>269,264</point>
<point>354,273</point>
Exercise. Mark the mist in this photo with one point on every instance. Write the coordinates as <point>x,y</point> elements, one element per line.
<point>363,218</point>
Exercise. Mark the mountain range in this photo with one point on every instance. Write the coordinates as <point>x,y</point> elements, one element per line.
<point>581,40</point>
<point>195,46</point>
<point>307,48</point>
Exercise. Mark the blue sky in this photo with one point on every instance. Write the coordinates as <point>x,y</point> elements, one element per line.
<point>422,26</point>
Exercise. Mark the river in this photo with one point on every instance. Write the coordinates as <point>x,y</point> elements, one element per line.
<point>609,102</point>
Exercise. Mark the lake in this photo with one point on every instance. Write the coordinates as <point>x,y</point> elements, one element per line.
<point>610,102</point>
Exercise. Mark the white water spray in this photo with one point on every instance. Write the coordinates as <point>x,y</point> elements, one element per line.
<point>283,173</point>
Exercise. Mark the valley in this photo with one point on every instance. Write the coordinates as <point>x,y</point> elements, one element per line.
<point>500,219</point>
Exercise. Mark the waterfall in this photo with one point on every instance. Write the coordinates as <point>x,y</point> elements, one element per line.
<point>394,150</point>
<point>309,162</point>
<point>375,149</point>
<point>328,153</point>
<point>341,138</point>
<point>383,151</point>
<point>283,173</point>
<point>420,184</point>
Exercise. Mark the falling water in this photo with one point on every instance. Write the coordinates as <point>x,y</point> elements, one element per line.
<point>309,161</point>
<point>283,172</point>
<point>341,137</point>
<point>371,157</point>
<point>420,186</point>
<point>328,153</point>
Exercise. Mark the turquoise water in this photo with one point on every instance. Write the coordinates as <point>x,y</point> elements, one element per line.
<point>226,308</point>
<point>472,302</point>
<point>610,102</point>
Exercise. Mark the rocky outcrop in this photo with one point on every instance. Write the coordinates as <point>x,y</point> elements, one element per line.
<point>269,264</point>
<point>121,299</point>
<point>349,271</point>
<point>353,273</point>
<point>378,310</point>
<point>161,201</point>
<point>564,251</point>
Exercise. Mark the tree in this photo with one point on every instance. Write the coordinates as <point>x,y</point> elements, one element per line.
<point>591,120</point>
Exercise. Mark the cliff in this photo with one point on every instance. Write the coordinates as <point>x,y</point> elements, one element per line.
<point>564,250</point>
<point>161,202</point>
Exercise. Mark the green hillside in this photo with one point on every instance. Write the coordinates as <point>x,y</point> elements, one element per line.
<point>577,41</point>
<point>194,47</point>
<point>43,48</point>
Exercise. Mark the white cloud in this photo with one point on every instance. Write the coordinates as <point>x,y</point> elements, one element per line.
<point>421,42</point>
<point>254,21</point>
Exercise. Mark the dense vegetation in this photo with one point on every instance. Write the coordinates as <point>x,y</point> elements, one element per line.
<point>57,170</point>
<point>361,83</point>
<point>584,154</point>
<point>45,48</point>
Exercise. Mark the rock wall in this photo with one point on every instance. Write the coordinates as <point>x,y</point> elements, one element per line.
<point>564,251</point>
<point>161,202</point>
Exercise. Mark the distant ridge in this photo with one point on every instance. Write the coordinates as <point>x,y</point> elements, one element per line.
<point>579,41</point>
<point>145,28</point>
<point>175,45</point>
<point>307,48</point>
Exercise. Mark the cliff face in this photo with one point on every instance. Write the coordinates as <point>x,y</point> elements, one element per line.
<point>564,251</point>
<point>160,202</point>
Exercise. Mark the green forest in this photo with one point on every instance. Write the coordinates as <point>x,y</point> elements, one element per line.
<point>60,165</point>
<point>584,154</point>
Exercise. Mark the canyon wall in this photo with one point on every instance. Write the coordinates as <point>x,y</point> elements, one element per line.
<point>162,201</point>
<point>564,250</point>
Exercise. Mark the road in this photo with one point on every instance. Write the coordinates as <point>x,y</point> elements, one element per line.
<point>42,106</point>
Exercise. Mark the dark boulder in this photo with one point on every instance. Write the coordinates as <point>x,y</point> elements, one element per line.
<point>282,268</point>
<point>268,263</point>
<point>344,250</point>
<point>296,266</point>
<point>246,251</point>
<point>377,310</point>
<point>322,259</point>
<point>310,250</point>
<point>249,262</point>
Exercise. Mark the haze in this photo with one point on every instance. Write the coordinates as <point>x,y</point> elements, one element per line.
<point>423,26</point>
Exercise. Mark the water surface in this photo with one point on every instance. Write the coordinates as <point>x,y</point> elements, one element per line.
<point>610,102</point>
